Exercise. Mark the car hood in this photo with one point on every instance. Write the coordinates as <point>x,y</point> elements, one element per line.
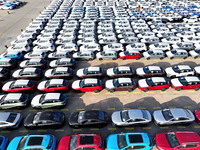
<point>169,70</point>
<point>110,144</point>
<point>109,84</point>
<point>75,84</point>
<point>35,100</point>
<point>80,72</point>
<point>63,142</point>
<point>23,63</point>
<point>110,72</point>
<point>176,82</point>
<point>73,119</point>
<point>48,73</point>
<point>140,71</point>
<point>7,85</point>
<point>75,55</point>
<point>42,85</point>
<point>121,54</point>
<point>142,83</point>
<point>158,116</point>
<point>169,53</point>
<point>116,117</point>
<point>16,73</point>
<point>53,63</point>
<point>14,143</point>
<point>161,141</point>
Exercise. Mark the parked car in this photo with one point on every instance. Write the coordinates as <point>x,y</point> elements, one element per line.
<point>177,53</point>
<point>45,141</point>
<point>195,53</point>
<point>35,54</point>
<point>33,63</point>
<point>83,141</point>
<point>13,100</point>
<point>197,115</point>
<point>153,83</point>
<point>184,45</point>
<point>83,55</point>
<point>88,118</point>
<point>131,117</point>
<point>34,73</point>
<point>107,55</point>
<point>19,86</point>
<point>130,54</point>
<point>177,140</point>
<point>150,71</point>
<point>59,72</point>
<point>173,116</point>
<point>164,46</point>
<point>179,71</point>
<point>154,54</point>
<point>136,46</point>
<point>121,71</point>
<point>4,73</point>
<point>12,55</point>
<point>90,72</point>
<point>63,62</point>
<point>58,54</point>
<point>53,85</point>
<point>49,100</point>
<point>44,119</point>
<point>120,84</point>
<point>137,140</point>
<point>85,85</point>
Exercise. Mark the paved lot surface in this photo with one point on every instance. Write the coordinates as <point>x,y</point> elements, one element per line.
<point>10,26</point>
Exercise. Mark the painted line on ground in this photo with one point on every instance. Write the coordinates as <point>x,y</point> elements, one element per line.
<point>59,130</point>
<point>5,131</point>
<point>156,107</point>
<point>110,108</point>
<point>32,110</point>
<point>129,128</point>
<point>48,109</point>
<point>94,129</point>
<point>141,107</point>
<point>176,91</point>
<point>172,107</point>
<point>68,93</point>
<point>164,127</point>
<point>191,91</point>
<point>163,92</point>
<point>80,109</point>
<point>23,131</point>
<point>146,128</point>
<point>95,109</point>
<point>197,127</point>
<point>149,92</point>
<point>64,109</point>
<point>136,92</point>
<point>75,130</point>
<point>41,130</point>
<point>95,93</point>
<point>187,106</point>
<point>126,108</point>
<point>17,110</point>
<point>109,93</point>
<point>81,93</point>
<point>181,127</point>
<point>112,129</point>
<point>122,92</point>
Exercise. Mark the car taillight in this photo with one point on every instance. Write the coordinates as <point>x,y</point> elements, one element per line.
<point>63,103</point>
<point>23,103</point>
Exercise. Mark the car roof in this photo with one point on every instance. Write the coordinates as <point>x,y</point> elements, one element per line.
<point>56,81</point>
<point>191,79</point>
<point>13,96</point>
<point>178,112</point>
<point>184,67</point>
<point>93,68</point>
<point>37,140</point>
<point>158,79</point>
<point>65,59</point>
<point>187,137</point>
<point>121,68</point>
<point>90,81</point>
<point>29,69</point>
<point>21,82</point>
<point>34,60</point>
<point>62,69</point>
<point>154,67</point>
<point>124,80</point>
<point>52,96</point>
<point>135,113</point>
<point>135,138</point>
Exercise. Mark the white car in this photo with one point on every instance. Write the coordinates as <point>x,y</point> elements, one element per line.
<point>109,40</point>
<point>62,62</point>
<point>172,40</point>
<point>195,53</point>
<point>90,47</point>
<point>58,54</point>
<point>120,71</point>
<point>69,47</point>
<point>107,55</point>
<point>35,54</point>
<point>197,70</point>
<point>137,46</point>
<point>27,73</point>
<point>33,63</point>
<point>114,47</point>
<point>149,71</point>
<point>191,19</point>
<point>146,35</point>
<point>47,36</point>
<point>179,71</point>
<point>49,100</point>
<point>160,46</point>
<point>90,72</point>
<point>43,42</point>
<point>67,36</point>
<point>177,53</point>
<point>86,41</point>
<point>84,55</point>
<point>107,35</point>
<point>27,36</point>
<point>59,72</point>
<point>129,40</point>
<point>6,122</point>
<point>86,35</point>
<point>186,34</point>
<point>44,48</point>
<point>150,40</point>
<point>154,54</point>
<point>64,41</point>
<point>5,7</point>
<point>193,39</point>
<point>21,42</point>
<point>19,48</point>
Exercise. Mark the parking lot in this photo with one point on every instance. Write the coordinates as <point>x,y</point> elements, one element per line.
<point>10,28</point>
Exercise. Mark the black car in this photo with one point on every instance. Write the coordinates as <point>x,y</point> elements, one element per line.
<point>4,73</point>
<point>88,118</point>
<point>44,119</point>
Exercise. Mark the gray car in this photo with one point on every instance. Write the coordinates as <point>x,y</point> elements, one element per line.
<point>131,117</point>
<point>173,116</point>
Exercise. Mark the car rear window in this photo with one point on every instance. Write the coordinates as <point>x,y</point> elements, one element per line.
<point>84,140</point>
<point>172,140</point>
<point>12,117</point>
<point>136,138</point>
<point>35,141</point>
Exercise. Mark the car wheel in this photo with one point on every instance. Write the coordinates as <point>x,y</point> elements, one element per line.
<point>171,57</point>
<point>112,91</point>
<point>137,58</point>
<point>148,58</point>
<point>145,90</point>
<point>100,59</point>
<point>179,89</point>
<point>96,91</point>
<point>196,89</point>
<point>130,90</point>
<point>161,58</point>
<point>90,59</point>
<point>123,58</point>
<point>114,58</point>
<point>163,89</point>
<point>195,57</point>
<point>184,57</point>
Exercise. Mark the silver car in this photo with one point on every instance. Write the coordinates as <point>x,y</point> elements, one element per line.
<point>131,117</point>
<point>10,119</point>
<point>173,116</point>
<point>107,55</point>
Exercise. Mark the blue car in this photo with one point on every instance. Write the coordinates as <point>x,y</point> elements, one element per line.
<point>3,142</point>
<point>125,141</point>
<point>40,142</point>
<point>10,5</point>
<point>12,55</point>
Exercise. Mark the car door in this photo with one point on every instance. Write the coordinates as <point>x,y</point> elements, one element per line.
<point>188,146</point>
<point>88,87</point>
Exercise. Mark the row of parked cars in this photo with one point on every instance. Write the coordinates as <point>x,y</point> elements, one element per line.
<point>6,5</point>
<point>135,140</point>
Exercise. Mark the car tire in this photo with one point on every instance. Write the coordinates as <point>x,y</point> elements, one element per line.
<point>96,91</point>
<point>123,58</point>
<point>163,89</point>
<point>179,89</point>
<point>112,91</point>
<point>184,57</point>
<point>137,58</point>
<point>100,59</point>
<point>197,88</point>
<point>130,90</point>
<point>146,90</point>
<point>161,58</point>
<point>114,58</point>
<point>195,57</point>
<point>171,57</point>
<point>90,59</point>
<point>148,58</point>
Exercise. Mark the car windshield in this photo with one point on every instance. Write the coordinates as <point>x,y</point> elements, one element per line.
<point>172,139</point>
<point>82,83</point>
<point>145,115</point>
<point>150,52</point>
<point>176,69</point>
<point>183,81</point>
<point>124,115</point>
<point>85,71</point>
<point>197,51</point>
<point>126,52</point>
<point>146,69</point>
<point>73,142</point>
<point>167,114</point>
<point>149,82</point>
<point>22,143</point>
<point>23,98</point>
<point>115,70</point>
<point>121,140</point>
<point>115,82</point>
<point>173,52</point>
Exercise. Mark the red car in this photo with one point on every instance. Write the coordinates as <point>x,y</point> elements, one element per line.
<point>19,86</point>
<point>197,115</point>
<point>184,83</point>
<point>85,85</point>
<point>153,83</point>
<point>129,55</point>
<point>53,85</point>
<point>81,142</point>
<point>177,140</point>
